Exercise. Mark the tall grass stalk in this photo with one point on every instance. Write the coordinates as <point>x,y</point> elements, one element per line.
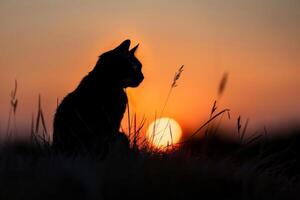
<point>173,85</point>
<point>241,133</point>
<point>12,110</point>
<point>206,123</point>
<point>134,129</point>
<point>43,138</point>
<point>222,84</point>
<point>221,89</point>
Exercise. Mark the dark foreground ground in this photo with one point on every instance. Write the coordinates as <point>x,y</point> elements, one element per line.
<point>206,169</point>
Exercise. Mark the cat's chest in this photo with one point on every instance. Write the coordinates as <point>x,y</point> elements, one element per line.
<point>115,101</point>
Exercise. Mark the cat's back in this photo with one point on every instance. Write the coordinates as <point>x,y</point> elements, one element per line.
<point>79,97</point>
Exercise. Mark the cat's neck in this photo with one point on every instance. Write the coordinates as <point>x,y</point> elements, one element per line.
<point>91,83</point>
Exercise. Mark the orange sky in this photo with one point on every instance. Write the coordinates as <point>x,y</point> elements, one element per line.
<point>48,46</point>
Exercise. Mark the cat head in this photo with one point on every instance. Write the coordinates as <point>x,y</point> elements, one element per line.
<point>120,66</point>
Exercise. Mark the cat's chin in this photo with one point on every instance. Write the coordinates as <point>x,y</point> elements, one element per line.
<point>133,84</point>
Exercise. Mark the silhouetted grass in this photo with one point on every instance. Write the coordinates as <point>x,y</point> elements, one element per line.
<point>41,138</point>
<point>213,167</point>
<point>12,111</point>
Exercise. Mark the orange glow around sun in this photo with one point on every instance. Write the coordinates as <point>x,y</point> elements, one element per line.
<point>164,132</point>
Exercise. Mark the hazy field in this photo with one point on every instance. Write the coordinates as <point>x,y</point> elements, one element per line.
<point>210,168</point>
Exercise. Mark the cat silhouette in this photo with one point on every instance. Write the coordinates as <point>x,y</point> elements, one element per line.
<point>89,118</point>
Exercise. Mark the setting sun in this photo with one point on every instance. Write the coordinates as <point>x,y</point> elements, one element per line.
<point>163,132</point>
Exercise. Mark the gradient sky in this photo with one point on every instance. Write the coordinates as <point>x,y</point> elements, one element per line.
<point>49,45</point>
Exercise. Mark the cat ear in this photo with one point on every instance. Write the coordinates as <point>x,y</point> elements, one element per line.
<point>132,51</point>
<point>124,46</point>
